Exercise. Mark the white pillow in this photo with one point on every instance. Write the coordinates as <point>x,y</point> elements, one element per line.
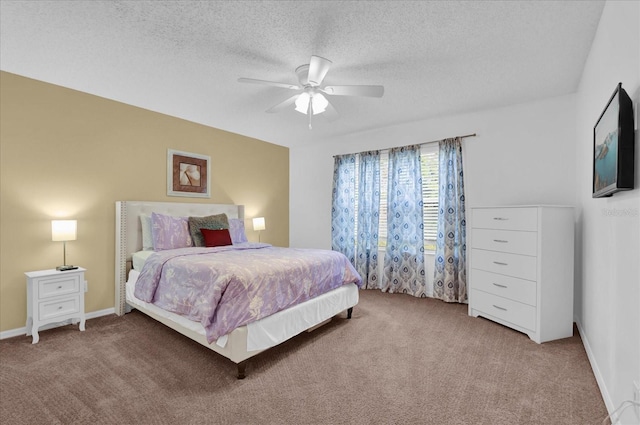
<point>147,237</point>
<point>138,259</point>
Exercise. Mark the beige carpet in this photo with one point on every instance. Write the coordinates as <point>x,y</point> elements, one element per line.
<point>399,360</point>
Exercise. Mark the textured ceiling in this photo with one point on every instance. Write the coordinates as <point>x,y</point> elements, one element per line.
<point>183,58</point>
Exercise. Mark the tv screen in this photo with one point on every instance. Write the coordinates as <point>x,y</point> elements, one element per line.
<point>613,146</point>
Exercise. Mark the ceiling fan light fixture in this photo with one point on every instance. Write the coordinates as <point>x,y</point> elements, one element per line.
<point>319,103</point>
<point>302,102</point>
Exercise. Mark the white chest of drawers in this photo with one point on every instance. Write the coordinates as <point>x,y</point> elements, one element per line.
<point>54,296</point>
<point>521,272</point>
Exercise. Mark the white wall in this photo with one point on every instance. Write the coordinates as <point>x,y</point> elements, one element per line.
<point>608,230</point>
<point>523,154</point>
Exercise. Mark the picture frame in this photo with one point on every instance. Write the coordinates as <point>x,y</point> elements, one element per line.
<point>188,174</point>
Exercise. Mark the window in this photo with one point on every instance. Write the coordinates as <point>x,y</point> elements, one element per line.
<point>430,185</point>
<point>429,170</point>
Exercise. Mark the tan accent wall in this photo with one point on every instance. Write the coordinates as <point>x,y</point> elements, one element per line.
<point>68,154</point>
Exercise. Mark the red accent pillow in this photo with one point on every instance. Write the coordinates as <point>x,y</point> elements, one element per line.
<point>213,238</point>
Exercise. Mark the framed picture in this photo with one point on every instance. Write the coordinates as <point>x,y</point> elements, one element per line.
<point>188,174</point>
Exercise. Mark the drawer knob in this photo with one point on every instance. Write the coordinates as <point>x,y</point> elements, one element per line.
<point>500,218</point>
<point>499,286</point>
<point>60,287</point>
<point>500,308</point>
<point>59,307</point>
<point>500,241</point>
<point>500,264</point>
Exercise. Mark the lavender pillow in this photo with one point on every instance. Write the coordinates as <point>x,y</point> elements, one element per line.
<point>236,229</point>
<point>170,232</point>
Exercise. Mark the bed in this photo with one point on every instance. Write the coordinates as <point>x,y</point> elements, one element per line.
<point>241,343</point>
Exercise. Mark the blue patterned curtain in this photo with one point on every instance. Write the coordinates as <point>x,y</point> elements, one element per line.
<point>343,216</point>
<point>404,257</point>
<point>450,277</point>
<point>368,219</point>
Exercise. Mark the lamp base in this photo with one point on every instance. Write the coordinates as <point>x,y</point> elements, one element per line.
<point>65,268</point>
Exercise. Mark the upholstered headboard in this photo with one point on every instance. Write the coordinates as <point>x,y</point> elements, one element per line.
<point>129,231</point>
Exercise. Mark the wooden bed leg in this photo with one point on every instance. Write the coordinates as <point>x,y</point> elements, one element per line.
<point>349,311</point>
<point>242,366</point>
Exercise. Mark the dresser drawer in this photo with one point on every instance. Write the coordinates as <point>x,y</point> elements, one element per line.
<point>520,290</point>
<point>506,218</point>
<point>58,285</point>
<point>511,311</point>
<point>58,308</point>
<point>515,265</point>
<point>512,241</point>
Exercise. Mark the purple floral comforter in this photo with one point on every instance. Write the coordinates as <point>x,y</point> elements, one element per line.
<point>229,286</point>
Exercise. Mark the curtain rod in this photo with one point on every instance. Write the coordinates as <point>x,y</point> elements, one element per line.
<point>425,143</point>
<point>462,137</point>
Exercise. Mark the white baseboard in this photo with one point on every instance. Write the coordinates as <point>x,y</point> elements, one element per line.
<point>596,370</point>
<point>23,331</point>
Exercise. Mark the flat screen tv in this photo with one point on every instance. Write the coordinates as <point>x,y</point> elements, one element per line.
<point>613,146</point>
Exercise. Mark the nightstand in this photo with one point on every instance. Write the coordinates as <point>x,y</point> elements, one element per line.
<point>54,296</point>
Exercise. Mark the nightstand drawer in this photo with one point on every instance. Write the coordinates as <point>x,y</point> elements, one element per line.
<point>520,290</point>
<point>506,218</point>
<point>515,242</point>
<point>511,311</point>
<point>54,308</point>
<point>59,285</point>
<point>515,265</point>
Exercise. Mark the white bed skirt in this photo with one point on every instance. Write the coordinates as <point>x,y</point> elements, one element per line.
<point>269,331</point>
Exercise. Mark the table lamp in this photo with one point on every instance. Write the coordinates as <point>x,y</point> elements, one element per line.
<point>258,225</point>
<point>64,230</point>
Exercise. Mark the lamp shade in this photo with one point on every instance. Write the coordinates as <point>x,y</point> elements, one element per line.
<point>258,223</point>
<point>302,103</point>
<point>319,103</point>
<point>63,230</point>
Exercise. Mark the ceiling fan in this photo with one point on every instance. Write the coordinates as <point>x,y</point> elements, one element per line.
<point>309,98</point>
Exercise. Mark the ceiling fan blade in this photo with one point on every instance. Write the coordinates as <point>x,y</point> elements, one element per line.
<point>268,83</point>
<point>318,68</point>
<point>282,105</point>
<point>369,91</point>
<point>330,113</point>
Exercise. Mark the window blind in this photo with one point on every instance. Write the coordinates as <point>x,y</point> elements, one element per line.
<point>430,185</point>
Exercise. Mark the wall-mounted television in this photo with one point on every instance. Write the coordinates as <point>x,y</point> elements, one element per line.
<point>613,146</point>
